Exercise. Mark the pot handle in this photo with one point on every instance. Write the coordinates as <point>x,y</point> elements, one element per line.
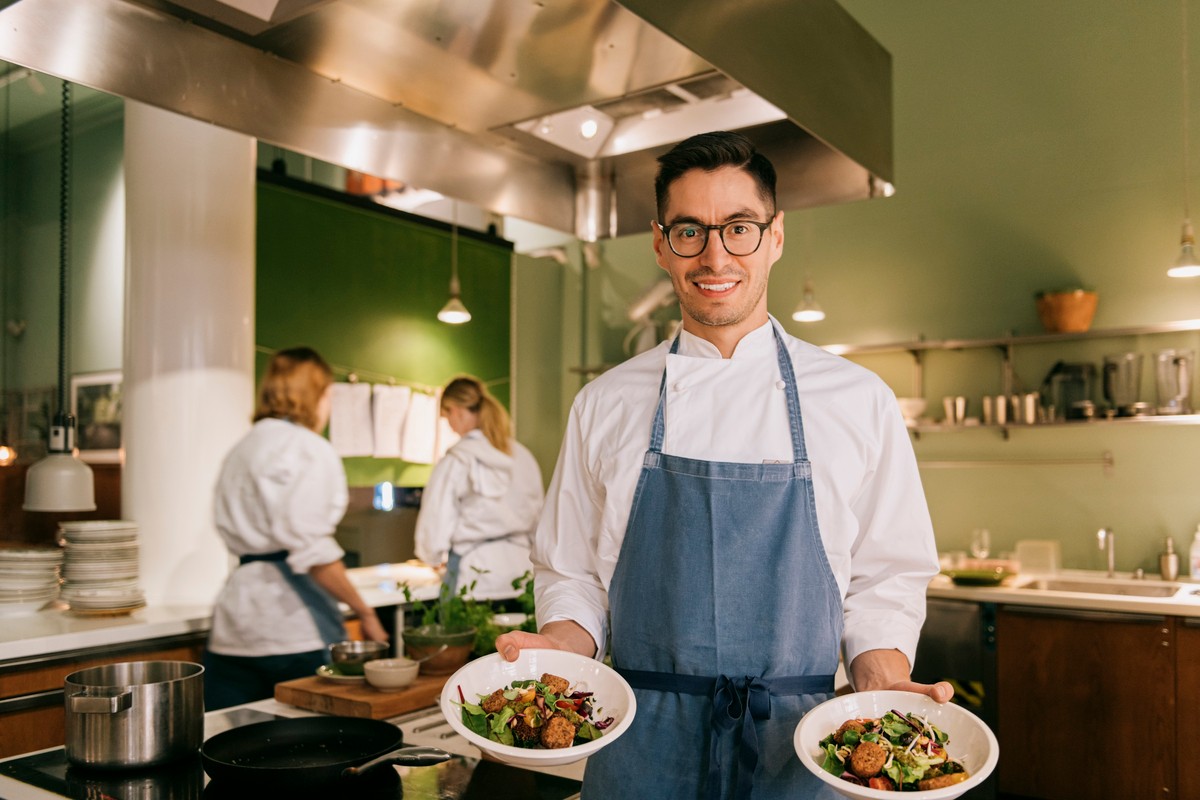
<point>405,757</point>
<point>86,702</point>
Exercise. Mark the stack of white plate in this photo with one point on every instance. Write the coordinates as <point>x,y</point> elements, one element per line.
<point>28,578</point>
<point>100,570</point>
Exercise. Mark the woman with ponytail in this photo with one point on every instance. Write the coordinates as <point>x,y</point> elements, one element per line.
<point>482,501</point>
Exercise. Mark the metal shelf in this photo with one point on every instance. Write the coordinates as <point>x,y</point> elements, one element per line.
<point>1181,326</point>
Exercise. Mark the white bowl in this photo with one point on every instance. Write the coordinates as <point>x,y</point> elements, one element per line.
<point>613,698</point>
<point>971,741</point>
<point>911,408</point>
<point>391,674</point>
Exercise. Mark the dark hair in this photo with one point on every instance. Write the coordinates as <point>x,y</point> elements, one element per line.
<point>470,393</point>
<point>292,386</point>
<point>710,151</point>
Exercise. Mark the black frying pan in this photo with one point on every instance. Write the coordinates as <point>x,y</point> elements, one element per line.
<point>304,752</point>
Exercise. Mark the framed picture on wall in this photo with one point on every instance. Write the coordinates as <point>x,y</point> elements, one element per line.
<point>96,405</point>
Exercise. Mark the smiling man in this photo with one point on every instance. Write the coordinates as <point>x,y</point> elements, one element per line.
<point>729,510</point>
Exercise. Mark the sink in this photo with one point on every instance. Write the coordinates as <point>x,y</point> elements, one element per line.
<point>1130,588</point>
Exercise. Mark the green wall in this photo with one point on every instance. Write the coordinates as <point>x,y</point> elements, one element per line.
<point>1037,144</point>
<point>364,286</point>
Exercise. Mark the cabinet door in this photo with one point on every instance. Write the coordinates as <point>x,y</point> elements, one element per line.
<point>1087,704</point>
<point>1187,700</point>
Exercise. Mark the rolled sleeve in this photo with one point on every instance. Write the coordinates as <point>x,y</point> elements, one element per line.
<point>895,555</point>
<point>439,515</point>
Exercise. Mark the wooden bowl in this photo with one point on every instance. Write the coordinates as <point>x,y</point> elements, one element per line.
<point>1067,312</point>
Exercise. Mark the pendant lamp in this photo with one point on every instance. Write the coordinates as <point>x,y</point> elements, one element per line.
<point>60,481</point>
<point>1186,265</point>
<point>809,309</point>
<point>454,312</point>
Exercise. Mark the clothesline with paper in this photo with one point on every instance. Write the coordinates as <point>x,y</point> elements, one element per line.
<point>391,418</point>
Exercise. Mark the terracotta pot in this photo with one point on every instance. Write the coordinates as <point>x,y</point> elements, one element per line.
<point>446,652</point>
<point>1067,312</point>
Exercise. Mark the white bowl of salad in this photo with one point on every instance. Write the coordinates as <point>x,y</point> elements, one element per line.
<point>938,750</point>
<point>548,707</point>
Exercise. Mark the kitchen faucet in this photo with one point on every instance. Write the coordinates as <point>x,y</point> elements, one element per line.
<point>1107,541</point>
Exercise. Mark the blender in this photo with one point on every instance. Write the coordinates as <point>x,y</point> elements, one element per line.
<point>1173,379</point>
<point>1122,382</point>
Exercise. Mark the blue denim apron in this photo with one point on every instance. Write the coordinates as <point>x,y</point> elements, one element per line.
<point>726,621</point>
<point>324,609</point>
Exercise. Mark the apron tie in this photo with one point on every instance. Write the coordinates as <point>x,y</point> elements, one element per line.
<point>737,704</point>
<point>735,700</point>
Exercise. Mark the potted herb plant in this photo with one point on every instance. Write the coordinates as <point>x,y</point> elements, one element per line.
<point>445,629</point>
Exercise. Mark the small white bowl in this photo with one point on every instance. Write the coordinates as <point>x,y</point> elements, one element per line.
<point>391,674</point>
<point>612,695</point>
<point>971,740</point>
<point>911,408</point>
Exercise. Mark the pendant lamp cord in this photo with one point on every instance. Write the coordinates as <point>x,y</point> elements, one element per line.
<point>1187,214</point>
<point>64,232</point>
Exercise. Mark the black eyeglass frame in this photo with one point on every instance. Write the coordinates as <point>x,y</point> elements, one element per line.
<point>762,230</point>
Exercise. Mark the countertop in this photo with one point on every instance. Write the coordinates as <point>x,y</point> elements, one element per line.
<point>55,630</point>
<point>1185,602</point>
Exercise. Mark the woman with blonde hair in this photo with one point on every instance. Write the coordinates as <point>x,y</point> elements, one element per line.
<point>483,498</point>
<point>279,497</point>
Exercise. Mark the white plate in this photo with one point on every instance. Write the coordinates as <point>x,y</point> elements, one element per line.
<point>613,698</point>
<point>24,555</point>
<point>97,525</point>
<point>328,674</point>
<point>971,742</point>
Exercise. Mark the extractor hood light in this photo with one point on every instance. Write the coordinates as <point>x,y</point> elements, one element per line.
<point>589,128</point>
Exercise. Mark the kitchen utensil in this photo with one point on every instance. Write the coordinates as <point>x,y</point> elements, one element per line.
<point>1168,561</point>
<point>955,409</point>
<point>613,698</point>
<point>1067,311</point>
<point>971,741</point>
<point>304,753</point>
<point>1066,384</point>
<point>1122,380</point>
<point>440,653</point>
<point>349,657</point>
<point>977,577</point>
<point>134,714</point>
<point>1173,379</point>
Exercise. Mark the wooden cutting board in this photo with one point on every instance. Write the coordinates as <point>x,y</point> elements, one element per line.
<point>359,699</point>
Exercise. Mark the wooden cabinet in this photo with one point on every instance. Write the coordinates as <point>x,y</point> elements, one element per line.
<point>1187,705</point>
<point>1087,704</point>
<point>32,711</point>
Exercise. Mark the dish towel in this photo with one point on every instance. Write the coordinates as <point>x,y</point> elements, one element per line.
<point>389,406</point>
<point>350,427</point>
<point>420,429</point>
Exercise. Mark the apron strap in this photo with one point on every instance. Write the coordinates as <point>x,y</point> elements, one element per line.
<point>331,626</point>
<point>738,702</point>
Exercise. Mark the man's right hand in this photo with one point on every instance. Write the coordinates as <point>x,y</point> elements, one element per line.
<point>560,635</point>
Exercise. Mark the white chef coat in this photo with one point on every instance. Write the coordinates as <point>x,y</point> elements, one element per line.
<point>282,487</point>
<point>871,508</point>
<point>475,495</point>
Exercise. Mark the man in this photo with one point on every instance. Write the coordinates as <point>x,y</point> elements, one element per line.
<point>686,510</point>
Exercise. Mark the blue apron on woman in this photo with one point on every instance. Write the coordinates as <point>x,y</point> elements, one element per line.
<point>726,621</point>
<point>326,614</point>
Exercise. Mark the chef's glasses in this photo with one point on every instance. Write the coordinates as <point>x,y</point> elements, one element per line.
<point>740,238</point>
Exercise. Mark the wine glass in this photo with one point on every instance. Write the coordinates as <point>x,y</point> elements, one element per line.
<point>980,543</point>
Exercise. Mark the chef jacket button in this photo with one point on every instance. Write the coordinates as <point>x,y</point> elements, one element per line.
<point>676,386</point>
<point>780,384</point>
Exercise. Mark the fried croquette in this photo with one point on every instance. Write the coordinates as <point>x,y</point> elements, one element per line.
<point>557,732</point>
<point>555,684</point>
<point>867,759</point>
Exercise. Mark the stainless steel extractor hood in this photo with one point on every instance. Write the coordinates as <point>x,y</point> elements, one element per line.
<point>485,100</point>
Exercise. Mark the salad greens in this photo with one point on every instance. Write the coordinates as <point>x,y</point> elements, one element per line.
<point>534,714</point>
<point>900,752</point>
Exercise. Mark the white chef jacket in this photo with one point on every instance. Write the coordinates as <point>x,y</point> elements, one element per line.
<point>483,504</point>
<point>282,487</point>
<point>871,508</point>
